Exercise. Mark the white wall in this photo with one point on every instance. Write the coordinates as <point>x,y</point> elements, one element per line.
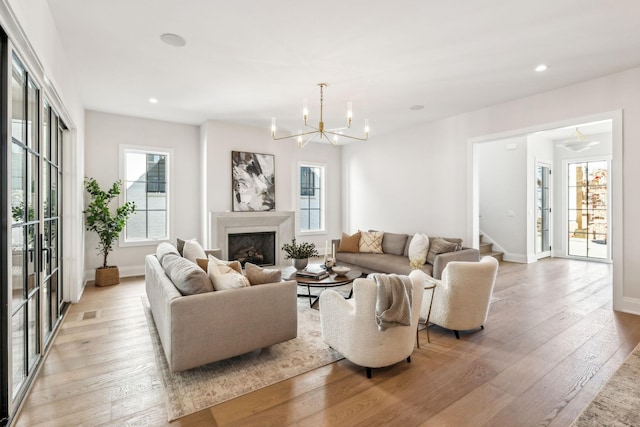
<point>502,180</point>
<point>105,132</point>
<point>402,182</point>
<point>420,178</point>
<point>219,139</point>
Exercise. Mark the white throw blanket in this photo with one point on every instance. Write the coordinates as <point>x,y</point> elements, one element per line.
<point>393,303</point>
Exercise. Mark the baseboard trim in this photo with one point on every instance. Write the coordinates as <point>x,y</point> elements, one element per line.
<point>127,271</point>
<point>519,258</point>
<point>630,305</point>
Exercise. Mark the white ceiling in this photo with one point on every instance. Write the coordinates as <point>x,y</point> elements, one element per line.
<point>246,61</point>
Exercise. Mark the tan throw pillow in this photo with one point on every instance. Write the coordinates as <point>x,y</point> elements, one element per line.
<point>418,248</point>
<point>224,277</point>
<point>371,242</point>
<point>259,276</point>
<point>439,246</point>
<point>203,263</point>
<point>349,243</point>
<point>233,264</point>
<point>193,250</point>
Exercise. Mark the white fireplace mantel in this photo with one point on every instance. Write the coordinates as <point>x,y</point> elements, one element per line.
<point>221,224</point>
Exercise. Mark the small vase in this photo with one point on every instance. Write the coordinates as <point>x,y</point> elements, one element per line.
<point>300,263</point>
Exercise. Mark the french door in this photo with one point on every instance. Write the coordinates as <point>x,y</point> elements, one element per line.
<point>588,209</point>
<point>543,210</point>
<point>31,193</point>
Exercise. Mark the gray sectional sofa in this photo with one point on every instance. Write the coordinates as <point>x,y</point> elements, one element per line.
<point>214,325</point>
<point>395,257</point>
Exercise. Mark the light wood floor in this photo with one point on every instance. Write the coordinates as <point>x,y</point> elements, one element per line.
<point>551,341</point>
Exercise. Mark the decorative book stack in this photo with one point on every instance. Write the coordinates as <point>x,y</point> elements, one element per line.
<point>313,273</point>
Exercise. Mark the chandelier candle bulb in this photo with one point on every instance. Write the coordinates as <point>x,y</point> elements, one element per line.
<point>273,126</point>
<point>305,110</point>
<point>366,127</point>
<point>349,112</point>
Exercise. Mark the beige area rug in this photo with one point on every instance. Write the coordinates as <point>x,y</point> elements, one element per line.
<point>199,388</point>
<point>618,403</point>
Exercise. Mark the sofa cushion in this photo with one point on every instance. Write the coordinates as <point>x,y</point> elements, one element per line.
<point>193,250</point>
<point>186,276</point>
<point>382,263</point>
<point>418,248</point>
<point>259,276</point>
<point>349,243</point>
<point>163,249</point>
<point>439,245</point>
<point>393,243</point>
<point>371,242</point>
<point>224,277</point>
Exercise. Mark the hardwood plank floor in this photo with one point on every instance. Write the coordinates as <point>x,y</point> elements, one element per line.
<point>551,341</point>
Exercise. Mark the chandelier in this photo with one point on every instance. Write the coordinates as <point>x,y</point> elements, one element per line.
<point>332,135</point>
<point>577,142</point>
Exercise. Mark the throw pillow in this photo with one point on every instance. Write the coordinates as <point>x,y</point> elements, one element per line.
<point>180,245</point>
<point>259,276</point>
<point>349,243</point>
<point>371,242</point>
<point>393,243</point>
<point>193,250</point>
<point>418,248</point>
<point>233,264</point>
<point>203,263</point>
<point>163,249</point>
<point>439,246</point>
<point>224,277</point>
<point>186,276</point>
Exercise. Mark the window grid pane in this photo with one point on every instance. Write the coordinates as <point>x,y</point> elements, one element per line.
<point>311,204</point>
<point>146,185</point>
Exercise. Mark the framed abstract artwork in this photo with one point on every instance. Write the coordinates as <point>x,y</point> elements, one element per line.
<point>253,182</point>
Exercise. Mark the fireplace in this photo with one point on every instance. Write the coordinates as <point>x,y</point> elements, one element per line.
<point>256,248</point>
<point>223,224</point>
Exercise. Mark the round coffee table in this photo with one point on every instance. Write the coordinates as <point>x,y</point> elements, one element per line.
<point>289,273</point>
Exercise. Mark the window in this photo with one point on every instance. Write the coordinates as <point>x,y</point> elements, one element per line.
<point>146,179</point>
<point>311,204</point>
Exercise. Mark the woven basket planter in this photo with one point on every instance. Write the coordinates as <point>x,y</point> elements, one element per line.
<point>107,276</point>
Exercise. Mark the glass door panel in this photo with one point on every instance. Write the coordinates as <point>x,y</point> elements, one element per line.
<point>543,210</point>
<point>588,209</point>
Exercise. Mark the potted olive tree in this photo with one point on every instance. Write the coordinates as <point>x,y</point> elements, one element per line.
<point>299,252</point>
<point>106,224</point>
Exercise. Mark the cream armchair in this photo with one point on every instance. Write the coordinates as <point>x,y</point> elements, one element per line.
<point>461,298</point>
<point>349,326</point>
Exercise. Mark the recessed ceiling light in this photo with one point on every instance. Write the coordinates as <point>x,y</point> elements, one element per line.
<point>542,67</point>
<point>416,107</point>
<point>173,40</point>
<point>153,100</point>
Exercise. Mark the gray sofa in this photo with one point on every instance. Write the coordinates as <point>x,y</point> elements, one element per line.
<point>395,258</point>
<point>210,326</point>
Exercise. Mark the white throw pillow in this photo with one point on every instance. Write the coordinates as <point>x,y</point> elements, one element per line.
<point>193,250</point>
<point>224,277</point>
<point>418,248</point>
